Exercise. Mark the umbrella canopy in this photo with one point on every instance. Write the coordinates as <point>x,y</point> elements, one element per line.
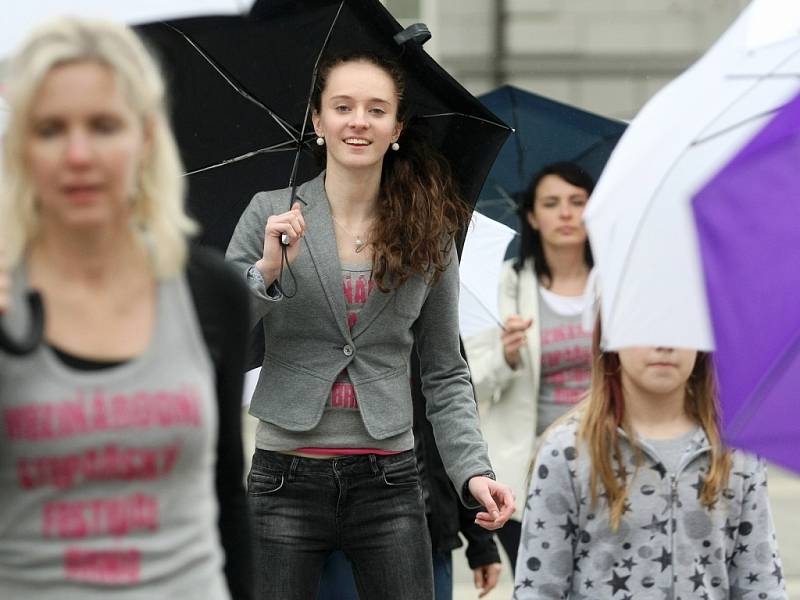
<point>639,220</point>
<point>545,131</point>
<point>240,89</point>
<point>479,270</point>
<point>18,21</point>
<point>748,221</point>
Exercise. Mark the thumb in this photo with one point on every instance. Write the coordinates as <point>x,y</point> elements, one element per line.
<point>485,498</point>
<point>478,576</point>
<point>296,207</point>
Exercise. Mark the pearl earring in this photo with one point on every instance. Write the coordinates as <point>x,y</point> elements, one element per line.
<point>395,146</point>
<point>320,141</point>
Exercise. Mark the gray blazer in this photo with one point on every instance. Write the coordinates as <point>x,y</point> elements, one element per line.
<point>308,341</point>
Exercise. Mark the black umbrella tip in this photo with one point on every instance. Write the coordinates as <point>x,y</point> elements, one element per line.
<point>418,32</point>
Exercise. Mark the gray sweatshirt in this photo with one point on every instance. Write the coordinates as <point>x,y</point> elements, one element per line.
<point>668,545</point>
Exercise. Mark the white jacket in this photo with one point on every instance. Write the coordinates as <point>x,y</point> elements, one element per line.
<point>507,398</point>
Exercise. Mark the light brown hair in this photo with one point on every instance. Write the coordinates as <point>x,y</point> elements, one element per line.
<point>603,412</point>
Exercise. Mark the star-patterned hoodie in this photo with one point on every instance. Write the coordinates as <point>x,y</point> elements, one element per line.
<point>668,545</point>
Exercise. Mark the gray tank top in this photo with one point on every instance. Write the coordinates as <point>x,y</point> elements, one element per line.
<point>107,477</point>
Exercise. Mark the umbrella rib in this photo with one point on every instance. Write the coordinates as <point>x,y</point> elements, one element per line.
<point>759,394</point>
<point>283,124</point>
<point>730,128</point>
<point>602,140</point>
<point>293,175</point>
<point>517,138</point>
<point>282,147</point>
<point>748,90</point>
<point>477,298</point>
<point>476,118</point>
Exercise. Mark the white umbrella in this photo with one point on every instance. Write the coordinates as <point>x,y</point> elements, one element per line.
<point>481,263</point>
<point>639,220</point>
<point>19,20</point>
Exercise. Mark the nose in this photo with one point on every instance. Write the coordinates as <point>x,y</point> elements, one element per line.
<point>358,119</point>
<point>79,148</point>
<point>566,211</point>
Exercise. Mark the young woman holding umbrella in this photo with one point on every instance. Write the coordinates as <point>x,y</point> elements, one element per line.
<point>538,366</point>
<point>120,450</point>
<point>372,251</point>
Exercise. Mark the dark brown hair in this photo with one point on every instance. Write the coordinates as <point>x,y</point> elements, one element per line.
<point>530,242</point>
<point>420,210</point>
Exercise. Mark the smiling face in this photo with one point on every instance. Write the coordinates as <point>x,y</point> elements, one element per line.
<point>357,115</point>
<point>656,371</point>
<point>557,212</point>
<point>83,147</point>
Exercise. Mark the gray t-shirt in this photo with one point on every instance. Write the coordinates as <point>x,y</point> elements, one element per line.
<point>566,359</point>
<point>341,427</point>
<point>107,477</point>
<point>670,451</point>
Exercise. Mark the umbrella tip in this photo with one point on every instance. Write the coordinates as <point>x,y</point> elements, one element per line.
<point>418,32</point>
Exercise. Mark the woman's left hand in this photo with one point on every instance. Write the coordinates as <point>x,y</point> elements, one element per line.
<point>496,498</point>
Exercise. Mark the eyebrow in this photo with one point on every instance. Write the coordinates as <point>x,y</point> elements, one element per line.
<point>371,100</point>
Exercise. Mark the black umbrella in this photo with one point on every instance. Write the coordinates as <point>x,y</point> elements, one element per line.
<point>239,89</point>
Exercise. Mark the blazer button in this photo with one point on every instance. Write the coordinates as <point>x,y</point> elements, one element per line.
<point>347,350</point>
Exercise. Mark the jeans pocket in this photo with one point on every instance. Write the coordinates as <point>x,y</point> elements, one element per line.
<point>402,474</point>
<point>261,483</point>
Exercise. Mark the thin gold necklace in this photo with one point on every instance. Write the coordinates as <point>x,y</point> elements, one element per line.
<point>358,241</point>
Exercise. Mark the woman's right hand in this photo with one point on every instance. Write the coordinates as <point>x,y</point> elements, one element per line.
<point>514,338</point>
<point>291,224</point>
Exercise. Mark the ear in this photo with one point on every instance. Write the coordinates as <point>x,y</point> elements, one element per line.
<point>531,218</point>
<point>398,129</point>
<point>148,136</point>
<point>315,120</point>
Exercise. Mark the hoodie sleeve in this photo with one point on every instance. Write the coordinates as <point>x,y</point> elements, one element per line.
<point>549,524</point>
<point>755,565</point>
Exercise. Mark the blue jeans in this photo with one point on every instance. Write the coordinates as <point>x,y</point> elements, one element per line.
<point>368,506</point>
<point>338,584</point>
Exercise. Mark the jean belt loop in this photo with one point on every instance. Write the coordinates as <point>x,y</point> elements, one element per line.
<point>293,467</point>
<point>373,462</point>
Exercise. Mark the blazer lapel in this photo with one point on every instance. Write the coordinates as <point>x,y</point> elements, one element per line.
<point>320,240</point>
<point>375,304</point>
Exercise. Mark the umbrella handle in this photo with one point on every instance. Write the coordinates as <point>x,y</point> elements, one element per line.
<point>29,343</point>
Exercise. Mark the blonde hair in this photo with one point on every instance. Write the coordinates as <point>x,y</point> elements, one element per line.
<point>157,208</point>
<point>604,411</point>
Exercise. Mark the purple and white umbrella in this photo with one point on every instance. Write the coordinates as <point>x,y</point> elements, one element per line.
<point>640,220</point>
<point>748,224</point>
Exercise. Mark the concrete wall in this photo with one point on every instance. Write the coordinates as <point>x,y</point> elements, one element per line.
<point>608,56</point>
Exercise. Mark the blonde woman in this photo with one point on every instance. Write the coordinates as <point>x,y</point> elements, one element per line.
<point>120,451</point>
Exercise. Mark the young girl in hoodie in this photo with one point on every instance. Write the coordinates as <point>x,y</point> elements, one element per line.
<point>634,495</point>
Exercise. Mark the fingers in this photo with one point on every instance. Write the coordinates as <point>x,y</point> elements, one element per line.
<point>291,224</point>
<point>489,575</point>
<point>496,498</point>
<point>516,323</point>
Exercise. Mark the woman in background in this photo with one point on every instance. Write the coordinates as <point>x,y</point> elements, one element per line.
<point>538,366</point>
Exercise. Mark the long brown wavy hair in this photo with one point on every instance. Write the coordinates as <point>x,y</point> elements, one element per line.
<point>420,211</point>
<point>603,412</point>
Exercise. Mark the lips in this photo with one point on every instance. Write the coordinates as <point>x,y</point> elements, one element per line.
<point>81,192</point>
<point>357,142</point>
